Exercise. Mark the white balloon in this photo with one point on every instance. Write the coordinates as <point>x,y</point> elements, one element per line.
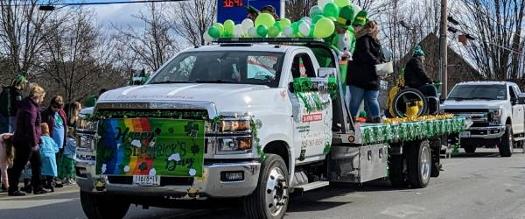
<point>246,24</point>
<point>237,31</point>
<point>304,29</point>
<point>307,20</point>
<point>207,38</point>
<point>288,32</point>
<point>252,32</point>
<point>322,3</point>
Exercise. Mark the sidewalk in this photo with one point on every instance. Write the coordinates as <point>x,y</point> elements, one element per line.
<point>63,190</point>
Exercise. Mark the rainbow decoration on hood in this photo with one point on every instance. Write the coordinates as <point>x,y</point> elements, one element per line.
<point>150,146</point>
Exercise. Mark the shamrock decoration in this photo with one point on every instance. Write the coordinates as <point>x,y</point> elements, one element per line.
<point>191,129</point>
<point>143,166</point>
<point>195,149</point>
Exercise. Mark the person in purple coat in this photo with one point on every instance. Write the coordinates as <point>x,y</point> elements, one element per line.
<point>26,139</point>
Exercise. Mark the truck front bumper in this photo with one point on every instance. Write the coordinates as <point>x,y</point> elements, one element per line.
<point>490,132</point>
<point>211,184</point>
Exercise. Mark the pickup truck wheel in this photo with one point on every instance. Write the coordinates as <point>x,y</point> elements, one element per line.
<point>270,198</point>
<point>506,146</point>
<point>419,164</point>
<point>397,171</point>
<point>470,149</point>
<point>97,206</point>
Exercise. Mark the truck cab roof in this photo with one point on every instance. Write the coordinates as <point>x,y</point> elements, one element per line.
<point>261,47</point>
<point>487,82</point>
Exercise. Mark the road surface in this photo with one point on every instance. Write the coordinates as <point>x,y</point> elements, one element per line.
<point>483,185</point>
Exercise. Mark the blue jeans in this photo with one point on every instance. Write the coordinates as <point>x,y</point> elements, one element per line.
<point>357,95</point>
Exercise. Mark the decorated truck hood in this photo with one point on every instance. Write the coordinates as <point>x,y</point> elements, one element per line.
<point>474,104</point>
<point>226,97</point>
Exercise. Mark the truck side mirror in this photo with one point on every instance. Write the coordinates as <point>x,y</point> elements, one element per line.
<point>521,100</point>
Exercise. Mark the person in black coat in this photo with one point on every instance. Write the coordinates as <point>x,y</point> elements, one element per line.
<point>363,80</point>
<point>415,75</point>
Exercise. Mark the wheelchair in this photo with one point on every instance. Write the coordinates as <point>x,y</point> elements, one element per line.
<point>404,101</point>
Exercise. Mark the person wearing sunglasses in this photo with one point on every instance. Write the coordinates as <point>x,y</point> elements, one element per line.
<point>56,119</point>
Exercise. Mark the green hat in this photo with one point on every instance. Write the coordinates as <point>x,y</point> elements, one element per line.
<point>20,79</point>
<point>361,18</point>
<point>418,51</point>
<point>346,14</point>
<point>252,10</point>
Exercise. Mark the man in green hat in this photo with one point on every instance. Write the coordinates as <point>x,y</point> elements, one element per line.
<point>10,97</point>
<point>415,75</point>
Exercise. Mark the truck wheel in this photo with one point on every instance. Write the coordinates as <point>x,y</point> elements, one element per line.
<point>506,146</point>
<point>97,206</point>
<point>270,198</point>
<point>419,164</point>
<point>397,171</point>
<point>470,149</point>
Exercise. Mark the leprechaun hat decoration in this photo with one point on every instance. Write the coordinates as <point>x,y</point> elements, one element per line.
<point>346,15</point>
<point>361,18</point>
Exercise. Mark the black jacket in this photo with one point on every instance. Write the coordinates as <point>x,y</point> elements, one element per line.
<point>361,71</point>
<point>415,75</point>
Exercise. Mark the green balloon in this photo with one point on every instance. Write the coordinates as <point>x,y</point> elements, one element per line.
<point>342,3</point>
<point>273,31</point>
<point>315,10</point>
<point>229,27</point>
<point>324,28</point>
<point>214,32</point>
<point>316,18</point>
<point>285,22</point>
<point>265,19</point>
<point>331,10</point>
<point>295,27</point>
<point>219,27</point>
<point>262,30</point>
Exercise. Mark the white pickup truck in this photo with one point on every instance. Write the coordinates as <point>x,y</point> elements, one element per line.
<point>497,110</point>
<point>242,119</point>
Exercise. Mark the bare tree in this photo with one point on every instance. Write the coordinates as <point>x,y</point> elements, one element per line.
<point>156,42</point>
<point>497,26</point>
<point>76,58</point>
<point>296,9</point>
<point>192,19</point>
<point>21,34</point>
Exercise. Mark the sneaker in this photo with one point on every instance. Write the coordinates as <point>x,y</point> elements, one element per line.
<point>16,193</point>
<point>59,185</point>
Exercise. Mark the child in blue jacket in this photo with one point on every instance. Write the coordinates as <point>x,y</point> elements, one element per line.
<point>48,150</point>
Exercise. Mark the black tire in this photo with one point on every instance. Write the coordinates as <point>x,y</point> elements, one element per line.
<point>257,204</point>
<point>419,163</point>
<point>97,206</point>
<point>469,149</point>
<point>397,171</point>
<point>506,146</point>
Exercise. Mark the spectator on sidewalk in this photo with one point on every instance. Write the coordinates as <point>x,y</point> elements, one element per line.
<point>10,99</point>
<point>56,120</point>
<point>26,140</point>
<point>67,167</point>
<point>48,151</point>
<point>6,157</point>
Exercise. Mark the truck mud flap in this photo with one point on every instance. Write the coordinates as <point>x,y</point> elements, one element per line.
<point>358,164</point>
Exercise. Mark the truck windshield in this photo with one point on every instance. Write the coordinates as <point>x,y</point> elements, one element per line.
<point>483,92</point>
<point>240,67</point>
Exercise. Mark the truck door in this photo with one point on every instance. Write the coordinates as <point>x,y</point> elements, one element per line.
<point>312,124</point>
<point>518,113</point>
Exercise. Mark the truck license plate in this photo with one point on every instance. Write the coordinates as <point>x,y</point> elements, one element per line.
<point>464,135</point>
<point>144,180</point>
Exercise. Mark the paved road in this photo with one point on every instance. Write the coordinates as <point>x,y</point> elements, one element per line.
<point>473,186</point>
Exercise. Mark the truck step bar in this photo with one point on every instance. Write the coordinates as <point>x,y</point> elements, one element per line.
<point>311,186</point>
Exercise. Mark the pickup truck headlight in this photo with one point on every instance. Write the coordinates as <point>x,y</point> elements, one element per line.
<point>234,144</point>
<point>86,132</point>
<point>495,117</point>
<point>234,126</point>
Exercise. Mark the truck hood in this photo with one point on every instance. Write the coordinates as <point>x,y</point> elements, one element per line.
<point>473,104</point>
<point>226,97</point>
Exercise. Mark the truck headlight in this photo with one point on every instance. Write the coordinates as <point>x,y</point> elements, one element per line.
<point>495,117</point>
<point>234,144</point>
<point>234,126</point>
<point>86,141</point>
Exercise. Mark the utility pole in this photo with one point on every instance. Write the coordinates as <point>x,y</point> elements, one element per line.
<point>443,49</point>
